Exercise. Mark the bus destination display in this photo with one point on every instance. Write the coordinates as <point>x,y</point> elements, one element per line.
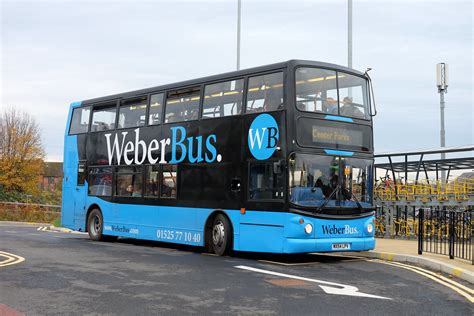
<point>328,134</point>
<point>335,135</point>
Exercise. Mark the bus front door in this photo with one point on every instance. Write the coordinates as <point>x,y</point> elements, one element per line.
<point>80,194</point>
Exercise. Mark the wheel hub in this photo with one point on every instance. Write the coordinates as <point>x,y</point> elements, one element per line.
<point>95,225</point>
<point>218,233</point>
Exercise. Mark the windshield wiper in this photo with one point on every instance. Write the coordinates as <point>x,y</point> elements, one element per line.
<point>328,198</point>
<point>359,206</point>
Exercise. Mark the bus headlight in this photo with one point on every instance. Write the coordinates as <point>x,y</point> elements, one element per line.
<point>308,228</point>
<point>370,228</point>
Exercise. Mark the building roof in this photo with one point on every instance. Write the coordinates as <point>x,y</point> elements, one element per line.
<point>427,151</point>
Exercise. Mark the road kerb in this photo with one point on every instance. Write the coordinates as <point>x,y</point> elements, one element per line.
<point>24,223</point>
<point>432,264</point>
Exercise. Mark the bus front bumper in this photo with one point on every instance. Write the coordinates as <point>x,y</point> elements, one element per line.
<point>297,245</point>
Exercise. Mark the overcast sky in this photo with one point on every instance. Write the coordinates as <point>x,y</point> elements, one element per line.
<point>57,52</point>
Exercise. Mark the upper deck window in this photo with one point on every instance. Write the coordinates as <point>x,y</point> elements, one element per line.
<point>353,98</point>
<point>223,99</point>
<point>182,105</point>
<point>80,120</point>
<point>132,112</point>
<point>103,118</point>
<point>265,93</point>
<point>156,108</point>
<point>317,91</point>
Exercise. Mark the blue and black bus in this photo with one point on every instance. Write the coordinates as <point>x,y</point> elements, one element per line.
<point>277,158</point>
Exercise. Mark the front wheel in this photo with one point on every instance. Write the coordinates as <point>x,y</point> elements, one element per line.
<point>221,235</point>
<point>95,226</point>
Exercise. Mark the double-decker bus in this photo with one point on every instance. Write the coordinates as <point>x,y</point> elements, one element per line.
<point>277,158</point>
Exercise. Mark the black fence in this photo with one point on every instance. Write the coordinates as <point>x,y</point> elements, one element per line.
<point>446,232</point>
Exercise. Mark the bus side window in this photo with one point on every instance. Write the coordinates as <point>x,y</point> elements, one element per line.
<point>265,93</point>
<point>81,173</point>
<point>103,118</point>
<point>156,106</point>
<point>152,181</point>
<point>100,181</point>
<point>80,121</point>
<point>223,99</point>
<point>169,184</point>
<point>132,112</point>
<point>182,105</point>
<point>264,183</point>
<point>128,181</point>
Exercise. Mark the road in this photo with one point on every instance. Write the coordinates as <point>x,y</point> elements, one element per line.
<point>64,273</point>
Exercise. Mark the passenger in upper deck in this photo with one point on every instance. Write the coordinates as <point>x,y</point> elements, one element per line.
<point>330,106</point>
<point>349,109</point>
<point>272,101</point>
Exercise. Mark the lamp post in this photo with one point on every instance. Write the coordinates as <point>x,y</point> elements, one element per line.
<point>239,9</point>
<point>442,83</point>
<point>349,33</point>
<point>349,39</point>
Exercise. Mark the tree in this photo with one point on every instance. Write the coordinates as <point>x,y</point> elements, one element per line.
<point>21,151</point>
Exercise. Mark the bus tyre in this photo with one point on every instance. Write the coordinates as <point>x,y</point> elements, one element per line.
<point>95,226</point>
<point>221,235</point>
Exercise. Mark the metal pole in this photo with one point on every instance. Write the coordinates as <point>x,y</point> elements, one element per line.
<point>239,8</point>
<point>349,33</point>
<point>442,83</point>
<point>349,40</point>
<point>421,217</point>
<point>442,132</point>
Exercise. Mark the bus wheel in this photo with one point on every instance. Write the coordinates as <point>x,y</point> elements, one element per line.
<point>95,225</point>
<point>221,235</point>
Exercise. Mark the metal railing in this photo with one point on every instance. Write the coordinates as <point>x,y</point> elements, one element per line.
<point>447,233</point>
<point>30,206</point>
<point>426,190</point>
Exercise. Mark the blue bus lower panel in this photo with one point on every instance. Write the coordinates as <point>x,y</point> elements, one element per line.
<point>257,231</point>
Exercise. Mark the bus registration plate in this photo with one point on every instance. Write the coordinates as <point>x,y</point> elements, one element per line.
<point>341,246</point>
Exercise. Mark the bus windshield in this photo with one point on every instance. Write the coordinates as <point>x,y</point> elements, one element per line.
<point>330,181</point>
<point>331,92</point>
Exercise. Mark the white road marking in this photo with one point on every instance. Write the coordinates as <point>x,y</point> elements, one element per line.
<point>11,259</point>
<point>328,287</point>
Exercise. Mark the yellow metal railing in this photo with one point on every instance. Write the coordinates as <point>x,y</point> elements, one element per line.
<point>425,190</point>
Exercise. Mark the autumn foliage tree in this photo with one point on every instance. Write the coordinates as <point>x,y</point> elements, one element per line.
<point>21,151</point>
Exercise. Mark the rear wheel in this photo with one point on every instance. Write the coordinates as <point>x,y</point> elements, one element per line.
<point>95,226</point>
<point>221,235</point>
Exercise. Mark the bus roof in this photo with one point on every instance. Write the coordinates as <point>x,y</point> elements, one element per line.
<point>223,76</point>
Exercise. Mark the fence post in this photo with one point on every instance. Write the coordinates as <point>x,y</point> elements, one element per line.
<point>387,222</point>
<point>421,216</point>
<point>451,235</point>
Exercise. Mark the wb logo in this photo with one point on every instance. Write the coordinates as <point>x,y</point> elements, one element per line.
<point>263,136</point>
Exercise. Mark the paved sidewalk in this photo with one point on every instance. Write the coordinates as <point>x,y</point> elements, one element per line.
<point>407,251</point>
